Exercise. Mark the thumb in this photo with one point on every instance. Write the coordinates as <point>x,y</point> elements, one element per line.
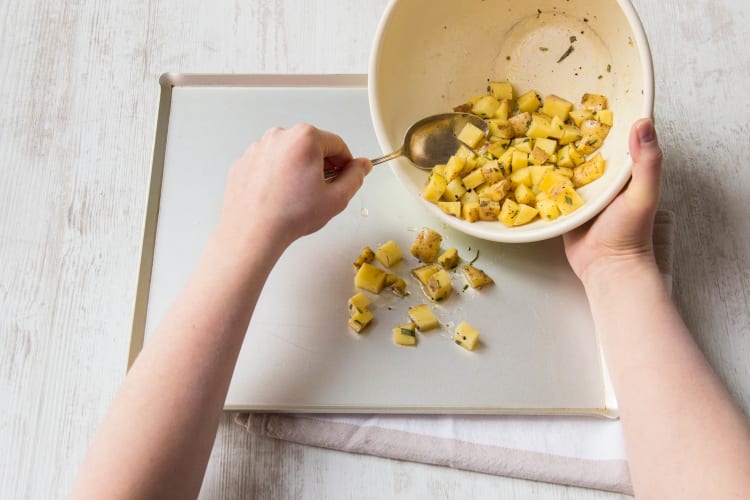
<point>351,177</point>
<point>643,190</point>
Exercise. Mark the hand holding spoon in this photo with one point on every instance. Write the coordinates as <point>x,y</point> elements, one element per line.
<point>429,142</point>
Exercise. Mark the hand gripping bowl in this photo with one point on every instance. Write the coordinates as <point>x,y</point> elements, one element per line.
<point>431,55</point>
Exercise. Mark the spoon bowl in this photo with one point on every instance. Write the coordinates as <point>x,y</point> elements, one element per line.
<point>430,141</point>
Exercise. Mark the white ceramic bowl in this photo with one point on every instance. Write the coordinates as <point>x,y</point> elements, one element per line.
<point>431,55</point>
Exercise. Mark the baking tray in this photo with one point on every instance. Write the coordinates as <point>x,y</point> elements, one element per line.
<point>539,353</point>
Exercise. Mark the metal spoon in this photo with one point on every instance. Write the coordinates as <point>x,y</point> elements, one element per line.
<point>429,142</point>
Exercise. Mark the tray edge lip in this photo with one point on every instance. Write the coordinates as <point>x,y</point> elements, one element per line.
<point>302,80</point>
<point>598,412</point>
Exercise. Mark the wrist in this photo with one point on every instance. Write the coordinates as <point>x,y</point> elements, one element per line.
<point>606,271</point>
<point>251,247</point>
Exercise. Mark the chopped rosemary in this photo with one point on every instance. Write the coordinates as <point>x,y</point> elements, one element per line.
<point>406,331</point>
<point>474,259</point>
<point>566,54</point>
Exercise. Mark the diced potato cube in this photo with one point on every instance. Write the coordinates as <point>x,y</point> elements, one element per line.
<point>523,144</point>
<point>389,254</point>
<point>571,133</point>
<point>435,188</point>
<point>577,157</point>
<point>366,256</point>
<point>470,197</point>
<point>520,160</point>
<point>556,106</point>
<point>503,111</point>
<point>466,336</point>
<point>594,102</point>
<point>505,160</point>
<point>537,173</point>
<point>454,190</point>
<point>450,207</point>
<point>580,115</point>
<point>564,171</point>
<point>475,178</point>
<point>370,278</point>
<point>540,126</point>
<point>455,167</point>
<point>423,317</point>
<point>405,334</point>
<point>509,212</point>
<point>464,152</point>
<point>501,129</point>
<point>521,176</point>
<point>568,200</point>
<point>547,209</point>
<point>588,144</point>
<point>525,215</point>
<point>439,286</point>
<point>397,284</point>
<point>556,128</point>
<point>449,258</point>
<point>497,149</point>
<point>563,157</point>
<point>426,245</point>
<point>476,278</point>
<point>484,107</point>
<point>520,123</point>
<point>489,210</point>
<point>439,169</point>
<point>595,128</point>
<point>470,211</point>
<point>549,146</point>
<point>475,99</point>
<point>606,116</point>
<point>589,171</point>
<point>501,90</point>
<point>528,102</point>
<point>359,321</point>
<point>423,273</point>
<point>538,156</point>
<point>524,194</point>
<point>492,172</point>
<point>497,191</point>
<point>463,108</point>
<point>358,303</point>
<point>552,183</point>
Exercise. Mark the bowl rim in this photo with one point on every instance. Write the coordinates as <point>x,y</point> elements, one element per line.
<point>563,225</point>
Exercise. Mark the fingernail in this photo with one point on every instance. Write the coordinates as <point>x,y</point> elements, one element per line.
<point>646,132</point>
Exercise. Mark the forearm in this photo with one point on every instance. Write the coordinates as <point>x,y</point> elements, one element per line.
<point>677,416</point>
<point>162,424</point>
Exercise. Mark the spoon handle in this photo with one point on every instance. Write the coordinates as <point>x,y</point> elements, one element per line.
<point>331,173</point>
<point>392,156</point>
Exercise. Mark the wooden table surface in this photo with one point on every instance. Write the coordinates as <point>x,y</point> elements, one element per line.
<point>78,101</point>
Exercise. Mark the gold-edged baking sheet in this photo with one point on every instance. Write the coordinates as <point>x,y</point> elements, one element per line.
<point>538,352</point>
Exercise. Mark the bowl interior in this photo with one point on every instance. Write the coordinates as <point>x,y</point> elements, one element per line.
<point>430,56</point>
